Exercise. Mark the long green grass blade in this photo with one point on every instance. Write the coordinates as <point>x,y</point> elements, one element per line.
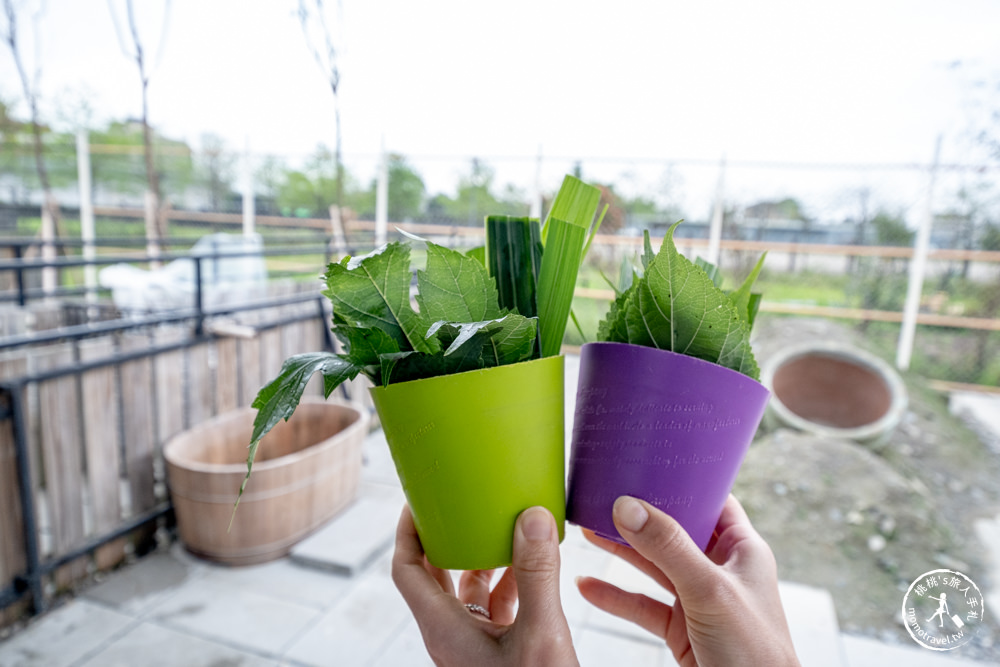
<point>594,230</point>
<point>575,203</point>
<point>557,281</point>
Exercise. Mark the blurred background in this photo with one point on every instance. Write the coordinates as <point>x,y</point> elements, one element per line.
<point>175,175</point>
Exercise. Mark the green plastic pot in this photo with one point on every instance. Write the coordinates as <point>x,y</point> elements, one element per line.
<point>473,450</point>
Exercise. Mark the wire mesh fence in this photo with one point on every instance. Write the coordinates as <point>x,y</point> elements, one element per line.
<point>839,236</point>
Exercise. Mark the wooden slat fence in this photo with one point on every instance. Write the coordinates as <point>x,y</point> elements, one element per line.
<point>95,435</point>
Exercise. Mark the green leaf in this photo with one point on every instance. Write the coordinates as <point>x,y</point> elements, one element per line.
<point>478,253</point>
<point>638,330</point>
<point>753,308</point>
<point>626,276</point>
<point>613,327</point>
<point>513,342</point>
<point>455,288</point>
<point>700,319</point>
<point>453,335</point>
<point>741,296</point>
<point>374,291</point>
<point>406,366</point>
<point>576,323</point>
<point>278,399</point>
<point>507,340</point>
<point>557,282</point>
<point>594,230</point>
<point>647,250</point>
<point>365,345</point>
<point>676,306</point>
<point>710,269</point>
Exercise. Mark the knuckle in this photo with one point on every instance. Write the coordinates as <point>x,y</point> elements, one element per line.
<point>538,562</point>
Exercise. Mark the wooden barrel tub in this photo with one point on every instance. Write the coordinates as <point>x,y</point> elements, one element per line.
<point>306,470</point>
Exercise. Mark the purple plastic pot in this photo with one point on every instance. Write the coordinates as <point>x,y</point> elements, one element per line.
<point>665,427</point>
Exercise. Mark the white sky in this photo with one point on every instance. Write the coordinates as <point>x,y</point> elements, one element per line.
<point>852,81</point>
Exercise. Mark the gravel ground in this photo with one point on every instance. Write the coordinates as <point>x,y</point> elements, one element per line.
<point>862,522</point>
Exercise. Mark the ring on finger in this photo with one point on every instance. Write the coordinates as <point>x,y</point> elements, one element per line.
<point>479,609</point>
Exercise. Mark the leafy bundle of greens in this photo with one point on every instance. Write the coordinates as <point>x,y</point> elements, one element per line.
<point>462,321</point>
<point>674,304</point>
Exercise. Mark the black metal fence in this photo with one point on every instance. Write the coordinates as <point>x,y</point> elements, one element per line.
<point>85,410</point>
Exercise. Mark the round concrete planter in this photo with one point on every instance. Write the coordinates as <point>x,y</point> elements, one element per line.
<point>834,390</point>
<point>306,470</point>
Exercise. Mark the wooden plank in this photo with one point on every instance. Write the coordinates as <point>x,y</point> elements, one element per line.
<point>169,387</point>
<point>13,558</point>
<point>946,386</point>
<point>250,376</point>
<point>61,430</point>
<point>927,319</point>
<point>271,354</point>
<point>226,375</point>
<point>137,426</point>
<point>199,389</point>
<point>102,448</point>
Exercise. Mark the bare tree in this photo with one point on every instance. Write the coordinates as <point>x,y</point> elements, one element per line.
<point>50,207</point>
<point>324,53</point>
<point>156,219</point>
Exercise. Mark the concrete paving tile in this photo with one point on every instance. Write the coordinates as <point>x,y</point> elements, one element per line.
<point>283,580</point>
<point>378,466</point>
<point>138,588</point>
<point>62,636</point>
<point>812,621</point>
<point>865,652</point>
<point>155,646</point>
<point>406,649</point>
<point>357,536</point>
<point>233,615</point>
<point>599,649</point>
<point>358,628</point>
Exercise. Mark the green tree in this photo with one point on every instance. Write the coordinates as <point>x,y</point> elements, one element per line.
<point>476,199</point>
<point>118,159</point>
<point>17,156</point>
<point>313,189</point>
<point>215,170</point>
<point>891,230</point>
<point>406,189</point>
<point>406,192</point>
<point>990,239</point>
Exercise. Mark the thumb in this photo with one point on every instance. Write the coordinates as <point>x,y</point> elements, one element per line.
<point>662,541</point>
<point>536,568</point>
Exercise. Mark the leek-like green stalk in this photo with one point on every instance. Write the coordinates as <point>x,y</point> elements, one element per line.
<point>513,260</point>
<point>566,234</point>
<point>557,281</point>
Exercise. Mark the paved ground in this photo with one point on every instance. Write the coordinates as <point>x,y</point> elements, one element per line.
<point>333,603</point>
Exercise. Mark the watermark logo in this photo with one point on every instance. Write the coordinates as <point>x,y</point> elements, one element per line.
<point>943,610</point>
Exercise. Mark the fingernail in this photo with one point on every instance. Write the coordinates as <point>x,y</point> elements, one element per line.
<point>536,525</point>
<point>630,513</point>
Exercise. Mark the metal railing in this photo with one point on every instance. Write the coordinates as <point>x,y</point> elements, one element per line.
<point>15,393</point>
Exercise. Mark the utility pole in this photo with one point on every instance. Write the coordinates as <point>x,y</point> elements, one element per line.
<point>715,228</point>
<point>918,266</point>
<point>382,199</point>
<point>88,232</point>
